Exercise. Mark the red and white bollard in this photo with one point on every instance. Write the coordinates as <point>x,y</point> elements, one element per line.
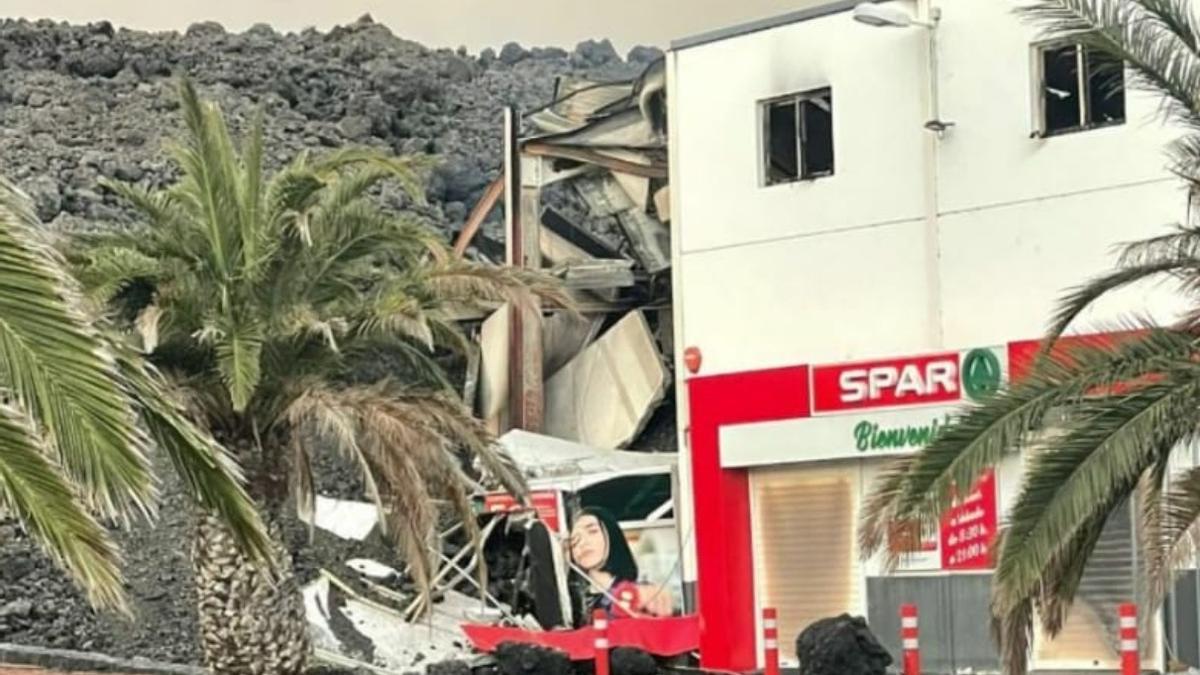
<point>1131,659</point>
<point>600,623</point>
<point>909,640</point>
<point>770,641</point>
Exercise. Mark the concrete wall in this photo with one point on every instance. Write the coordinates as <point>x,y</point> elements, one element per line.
<point>838,268</point>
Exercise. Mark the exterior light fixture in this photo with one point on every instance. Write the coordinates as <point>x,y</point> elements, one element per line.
<point>884,16</point>
<point>890,16</point>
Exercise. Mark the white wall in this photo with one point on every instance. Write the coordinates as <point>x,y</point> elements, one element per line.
<point>835,269</point>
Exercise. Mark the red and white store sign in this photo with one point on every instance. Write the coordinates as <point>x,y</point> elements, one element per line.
<point>886,384</point>
<point>870,408</point>
<point>546,502</point>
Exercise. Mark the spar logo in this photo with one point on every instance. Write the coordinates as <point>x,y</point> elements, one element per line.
<point>933,378</point>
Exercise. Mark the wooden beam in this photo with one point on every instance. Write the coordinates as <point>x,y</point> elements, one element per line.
<point>599,159</point>
<point>526,403</point>
<point>478,214</point>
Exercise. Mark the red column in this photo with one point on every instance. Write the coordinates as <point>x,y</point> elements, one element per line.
<point>770,641</point>
<point>1131,660</point>
<point>909,641</point>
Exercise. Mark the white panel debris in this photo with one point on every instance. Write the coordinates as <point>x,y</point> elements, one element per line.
<point>605,395</point>
<point>346,519</point>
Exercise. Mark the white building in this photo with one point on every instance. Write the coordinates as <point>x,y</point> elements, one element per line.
<point>822,220</point>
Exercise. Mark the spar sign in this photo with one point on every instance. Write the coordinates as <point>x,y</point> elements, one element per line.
<point>880,407</point>
<point>898,405</point>
<point>937,378</point>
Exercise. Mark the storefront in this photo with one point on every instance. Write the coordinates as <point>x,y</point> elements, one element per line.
<point>784,459</point>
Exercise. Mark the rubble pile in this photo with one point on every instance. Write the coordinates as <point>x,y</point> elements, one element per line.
<point>82,102</point>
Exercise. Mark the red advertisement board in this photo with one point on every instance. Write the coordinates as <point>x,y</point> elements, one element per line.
<point>545,502</point>
<point>969,528</point>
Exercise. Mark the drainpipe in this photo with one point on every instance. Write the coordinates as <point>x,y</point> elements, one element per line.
<point>930,16</point>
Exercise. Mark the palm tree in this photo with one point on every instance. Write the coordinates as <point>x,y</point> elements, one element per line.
<point>270,300</point>
<point>72,451</point>
<point>1099,422</point>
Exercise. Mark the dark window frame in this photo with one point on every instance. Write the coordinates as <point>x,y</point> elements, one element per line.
<point>1084,86</point>
<point>821,97</point>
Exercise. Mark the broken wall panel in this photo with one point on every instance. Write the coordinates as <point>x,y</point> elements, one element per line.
<point>605,395</point>
<point>564,335</point>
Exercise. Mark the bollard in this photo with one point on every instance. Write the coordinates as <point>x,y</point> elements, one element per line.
<point>1131,658</point>
<point>909,640</point>
<point>600,623</point>
<point>770,641</point>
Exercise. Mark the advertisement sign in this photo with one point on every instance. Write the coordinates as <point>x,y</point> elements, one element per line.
<point>969,528</point>
<point>545,502</point>
<point>964,539</point>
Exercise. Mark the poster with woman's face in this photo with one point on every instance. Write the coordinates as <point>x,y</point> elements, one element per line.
<point>601,550</point>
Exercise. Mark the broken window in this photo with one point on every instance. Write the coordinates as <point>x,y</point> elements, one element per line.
<point>1080,88</point>
<point>798,137</point>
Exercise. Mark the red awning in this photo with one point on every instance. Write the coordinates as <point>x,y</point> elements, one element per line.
<point>668,636</point>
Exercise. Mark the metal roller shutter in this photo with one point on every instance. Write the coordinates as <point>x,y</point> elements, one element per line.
<point>804,538</point>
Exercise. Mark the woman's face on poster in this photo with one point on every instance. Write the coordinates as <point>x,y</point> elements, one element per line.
<point>589,543</point>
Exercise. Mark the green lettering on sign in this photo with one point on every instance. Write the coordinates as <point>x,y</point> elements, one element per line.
<point>870,436</point>
<point>980,374</point>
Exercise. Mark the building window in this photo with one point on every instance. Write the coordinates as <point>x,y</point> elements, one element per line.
<point>798,137</point>
<point>1078,88</point>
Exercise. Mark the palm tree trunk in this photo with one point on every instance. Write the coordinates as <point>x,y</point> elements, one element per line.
<point>249,624</point>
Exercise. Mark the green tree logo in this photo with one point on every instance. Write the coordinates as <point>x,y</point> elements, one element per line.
<point>980,374</point>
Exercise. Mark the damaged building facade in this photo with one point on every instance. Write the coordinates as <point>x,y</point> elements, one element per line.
<point>874,212</point>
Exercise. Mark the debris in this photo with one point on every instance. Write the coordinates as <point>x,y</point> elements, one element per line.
<point>556,222</point>
<point>346,519</point>
<point>551,462</point>
<point>648,237</point>
<point>596,274</point>
<point>605,395</point>
<point>523,659</point>
<point>370,568</point>
<point>632,661</point>
<point>841,645</point>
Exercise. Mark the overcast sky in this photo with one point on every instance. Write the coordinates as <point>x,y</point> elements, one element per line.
<point>437,23</point>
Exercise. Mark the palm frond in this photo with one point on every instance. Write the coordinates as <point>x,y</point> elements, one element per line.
<point>409,171</point>
<point>1078,299</point>
<point>59,370</point>
<point>920,489</point>
<point>459,282</point>
<point>33,489</point>
<point>1110,442</point>
<point>211,477</point>
<point>108,270</point>
<point>239,354</point>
